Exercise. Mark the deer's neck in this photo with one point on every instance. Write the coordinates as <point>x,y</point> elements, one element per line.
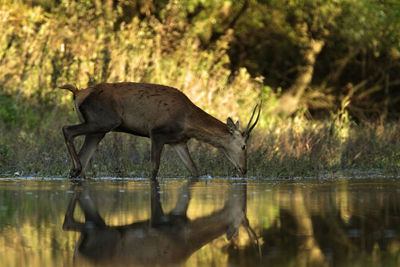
<point>206,128</point>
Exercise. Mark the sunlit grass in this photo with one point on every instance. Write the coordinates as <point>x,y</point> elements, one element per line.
<point>293,147</point>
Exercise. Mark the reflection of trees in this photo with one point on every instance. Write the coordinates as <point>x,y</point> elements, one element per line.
<point>335,226</point>
<point>369,225</point>
<point>163,239</point>
<point>308,250</point>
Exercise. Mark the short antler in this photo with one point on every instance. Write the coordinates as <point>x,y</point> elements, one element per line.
<point>250,128</point>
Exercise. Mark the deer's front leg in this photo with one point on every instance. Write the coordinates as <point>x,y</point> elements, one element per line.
<point>183,152</point>
<point>157,145</point>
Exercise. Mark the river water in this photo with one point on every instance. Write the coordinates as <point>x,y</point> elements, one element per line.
<point>209,222</point>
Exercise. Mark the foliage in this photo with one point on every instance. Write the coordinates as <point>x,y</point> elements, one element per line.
<point>8,110</point>
<point>199,46</point>
<point>44,50</point>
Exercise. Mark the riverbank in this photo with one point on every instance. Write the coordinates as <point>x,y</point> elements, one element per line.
<point>287,148</point>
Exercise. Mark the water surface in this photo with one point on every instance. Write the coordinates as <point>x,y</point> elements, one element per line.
<point>211,222</point>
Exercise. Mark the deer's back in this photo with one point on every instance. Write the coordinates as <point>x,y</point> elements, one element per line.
<point>142,107</point>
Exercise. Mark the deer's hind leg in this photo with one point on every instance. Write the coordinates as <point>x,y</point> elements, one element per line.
<point>99,117</point>
<point>97,124</point>
<point>88,148</point>
<point>93,131</point>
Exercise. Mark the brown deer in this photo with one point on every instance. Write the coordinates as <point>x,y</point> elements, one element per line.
<point>160,112</point>
<point>164,239</point>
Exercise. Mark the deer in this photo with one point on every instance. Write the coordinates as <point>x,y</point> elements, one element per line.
<point>162,113</point>
<point>164,239</point>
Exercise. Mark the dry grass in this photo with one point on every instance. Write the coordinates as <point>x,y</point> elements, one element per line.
<point>290,148</point>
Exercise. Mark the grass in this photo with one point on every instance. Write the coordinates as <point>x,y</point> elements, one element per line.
<point>288,148</point>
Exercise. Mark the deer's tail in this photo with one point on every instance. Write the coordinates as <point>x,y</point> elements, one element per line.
<point>69,87</point>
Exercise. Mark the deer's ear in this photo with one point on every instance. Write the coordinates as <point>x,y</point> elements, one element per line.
<point>231,125</point>
<point>237,125</point>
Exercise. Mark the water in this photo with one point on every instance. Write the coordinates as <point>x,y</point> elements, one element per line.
<point>211,222</point>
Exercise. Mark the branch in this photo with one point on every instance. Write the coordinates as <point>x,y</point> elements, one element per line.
<point>217,34</point>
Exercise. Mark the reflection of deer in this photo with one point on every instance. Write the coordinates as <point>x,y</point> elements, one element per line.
<point>164,239</point>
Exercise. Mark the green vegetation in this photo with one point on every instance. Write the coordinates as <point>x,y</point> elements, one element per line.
<point>335,61</point>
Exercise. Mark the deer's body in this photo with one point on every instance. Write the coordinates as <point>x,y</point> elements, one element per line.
<point>159,112</point>
<point>171,112</point>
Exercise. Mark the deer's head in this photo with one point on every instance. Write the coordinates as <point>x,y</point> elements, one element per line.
<point>236,148</point>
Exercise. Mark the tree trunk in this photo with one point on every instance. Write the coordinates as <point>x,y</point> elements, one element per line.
<point>290,100</point>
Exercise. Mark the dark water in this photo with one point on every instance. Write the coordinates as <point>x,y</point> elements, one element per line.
<point>211,222</point>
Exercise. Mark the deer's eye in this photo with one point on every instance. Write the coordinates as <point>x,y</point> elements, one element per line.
<point>243,147</point>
